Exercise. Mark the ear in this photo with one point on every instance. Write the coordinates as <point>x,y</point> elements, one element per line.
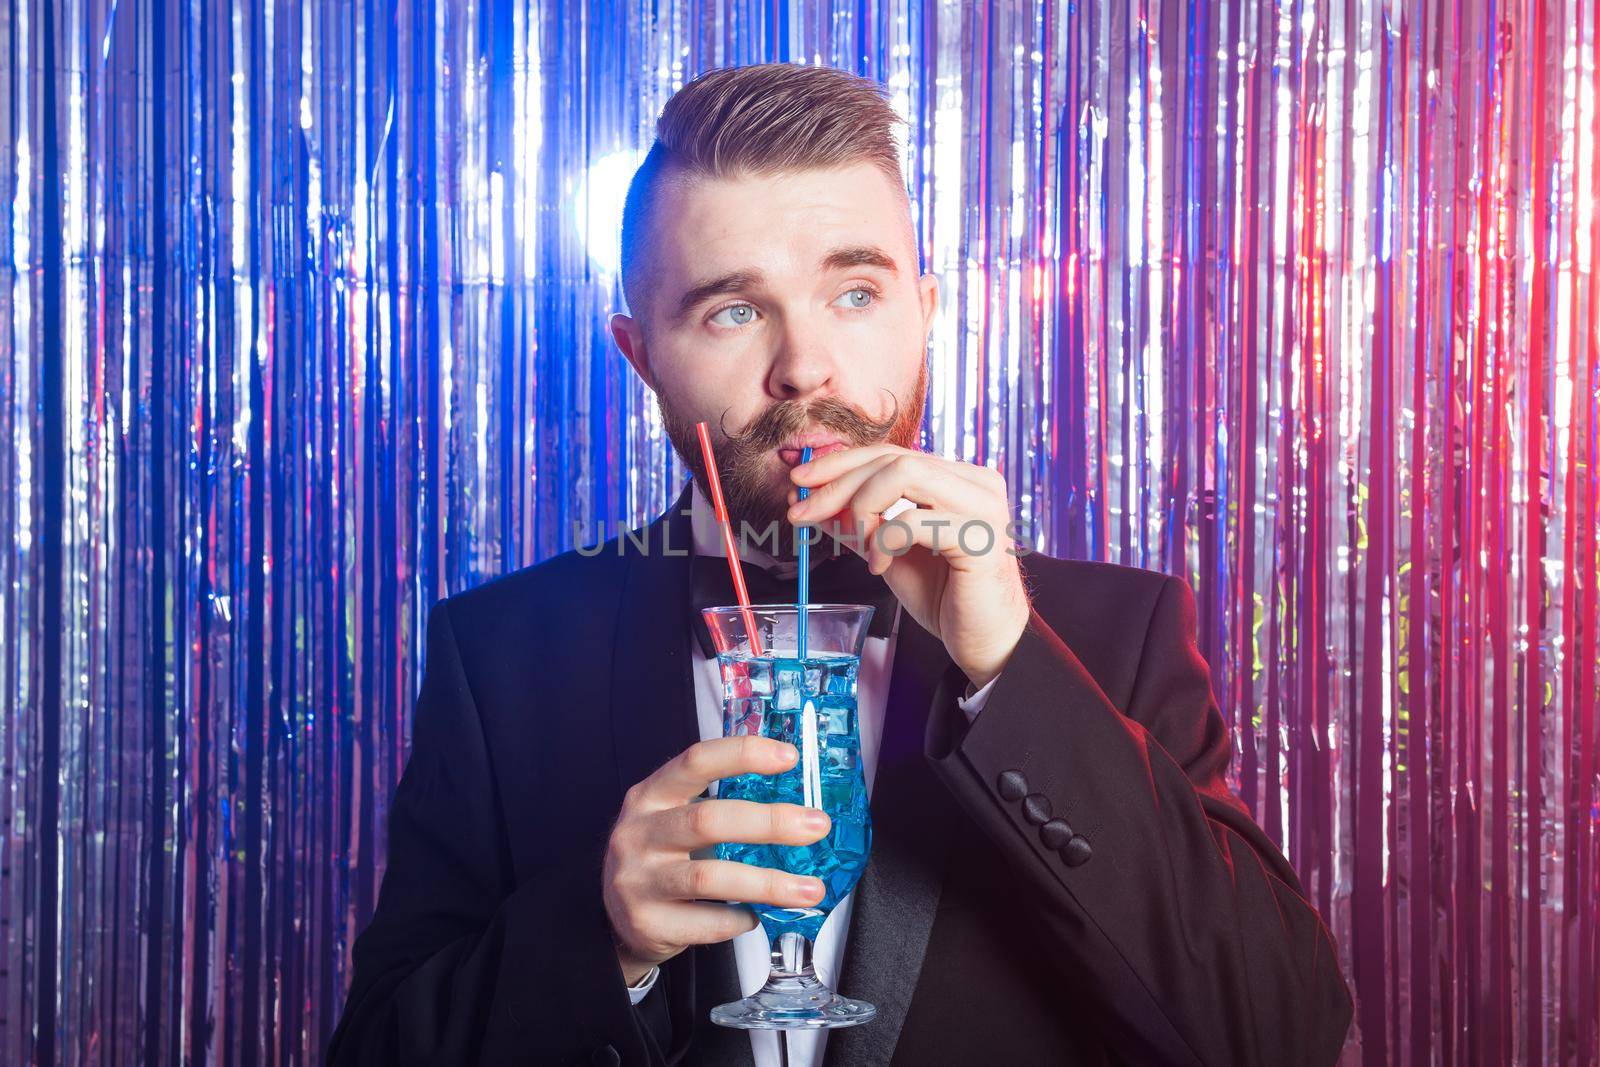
<point>928,293</point>
<point>630,339</point>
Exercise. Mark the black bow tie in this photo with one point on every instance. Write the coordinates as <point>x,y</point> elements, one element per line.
<point>840,579</point>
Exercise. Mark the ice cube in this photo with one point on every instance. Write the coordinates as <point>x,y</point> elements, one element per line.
<point>838,719</point>
<point>787,691</point>
<point>815,679</point>
<point>841,760</point>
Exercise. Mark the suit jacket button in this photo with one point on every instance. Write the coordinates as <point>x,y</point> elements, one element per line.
<point>1012,785</point>
<point>1055,833</point>
<point>1036,808</point>
<point>1076,851</point>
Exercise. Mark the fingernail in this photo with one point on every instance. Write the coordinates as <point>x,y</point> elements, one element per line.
<point>788,753</point>
<point>808,887</point>
<point>816,820</point>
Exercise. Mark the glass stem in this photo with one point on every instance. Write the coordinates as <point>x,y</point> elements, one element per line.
<point>791,956</point>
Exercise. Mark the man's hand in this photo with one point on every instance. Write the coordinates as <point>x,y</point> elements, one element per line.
<point>654,892</point>
<point>949,560</point>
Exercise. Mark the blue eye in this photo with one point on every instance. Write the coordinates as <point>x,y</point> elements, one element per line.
<point>867,297</point>
<point>743,315</point>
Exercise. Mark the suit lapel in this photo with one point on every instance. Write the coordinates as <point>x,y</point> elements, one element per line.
<point>653,718</point>
<point>898,895</point>
<point>652,688</point>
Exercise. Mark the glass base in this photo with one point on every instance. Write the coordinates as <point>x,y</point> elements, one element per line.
<point>793,998</point>
<point>793,1004</point>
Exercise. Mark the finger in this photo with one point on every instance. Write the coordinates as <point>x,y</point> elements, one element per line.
<point>829,467</point>
<point>844,528</point>
<point>955,537</point>
<point>826,468</point>
<point>686,775</point>
<point>714,822</point>
<point>856,533</point>
<point>729,880</point>
<point>830,498</point>
<point>927,482</point>
<point>697,923</point>
<point>984,476</point>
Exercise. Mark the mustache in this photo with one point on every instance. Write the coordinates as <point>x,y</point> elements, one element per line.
<point>787,418</point>
<point>744,456</point>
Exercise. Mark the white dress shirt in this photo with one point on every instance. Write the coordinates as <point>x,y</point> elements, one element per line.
<point>752,949</point>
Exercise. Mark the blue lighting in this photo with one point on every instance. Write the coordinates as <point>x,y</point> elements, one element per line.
<point>597,206</point>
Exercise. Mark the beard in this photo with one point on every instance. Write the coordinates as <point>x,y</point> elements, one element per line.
<point>745,456</point>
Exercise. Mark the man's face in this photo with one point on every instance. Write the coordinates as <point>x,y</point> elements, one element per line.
<point>784,311</point>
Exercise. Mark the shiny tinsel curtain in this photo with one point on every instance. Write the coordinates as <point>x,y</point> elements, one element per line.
<point>302,327</point>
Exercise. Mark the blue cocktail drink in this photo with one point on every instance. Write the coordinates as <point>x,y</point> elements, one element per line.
<point>770,690</point>
<point>811,705</point>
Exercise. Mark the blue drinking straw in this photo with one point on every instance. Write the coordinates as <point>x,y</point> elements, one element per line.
<point>805,565</point>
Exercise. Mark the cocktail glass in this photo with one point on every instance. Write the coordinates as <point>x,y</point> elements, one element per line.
<point>810,703</point>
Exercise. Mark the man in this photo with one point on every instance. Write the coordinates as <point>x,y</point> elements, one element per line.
<point>1059,873</point>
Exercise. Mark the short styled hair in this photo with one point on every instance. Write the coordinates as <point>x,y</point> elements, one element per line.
<point>763,119</point>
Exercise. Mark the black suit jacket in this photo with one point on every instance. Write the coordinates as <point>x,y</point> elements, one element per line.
<point>1184,938</point>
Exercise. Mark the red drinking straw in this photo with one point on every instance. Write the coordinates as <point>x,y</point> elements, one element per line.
<point>727,537</point>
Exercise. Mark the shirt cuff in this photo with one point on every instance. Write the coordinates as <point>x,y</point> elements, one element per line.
<point>973,703</point>
<point>638,992</point>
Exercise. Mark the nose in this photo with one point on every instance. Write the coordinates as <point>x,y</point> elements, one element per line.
<point>805,365</point>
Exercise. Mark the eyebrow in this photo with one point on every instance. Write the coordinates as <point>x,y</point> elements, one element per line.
<point>735,281</point>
